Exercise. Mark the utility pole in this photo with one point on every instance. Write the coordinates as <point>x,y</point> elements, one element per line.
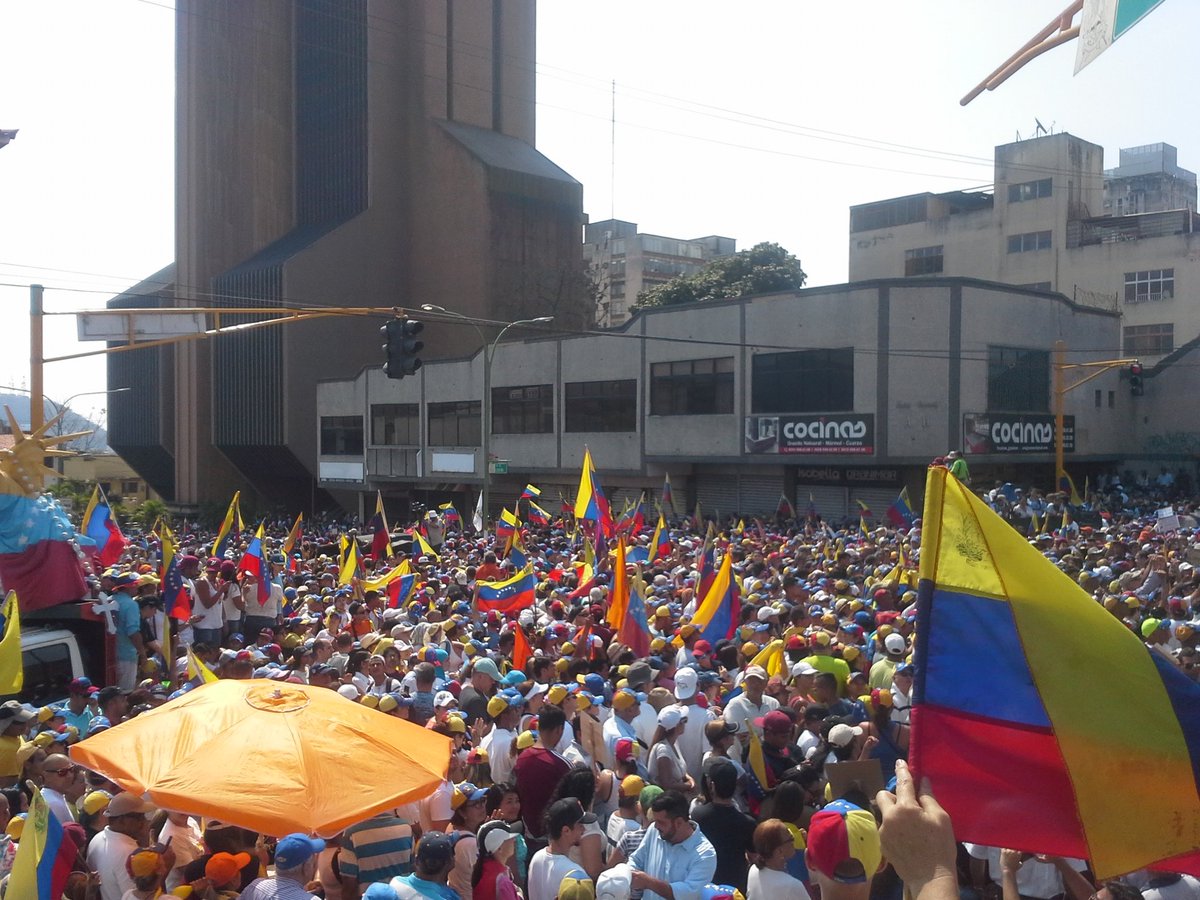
<point>37,412</point>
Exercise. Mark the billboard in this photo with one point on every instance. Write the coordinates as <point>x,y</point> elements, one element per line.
<point>1014,433</point>
<point>834,434</point>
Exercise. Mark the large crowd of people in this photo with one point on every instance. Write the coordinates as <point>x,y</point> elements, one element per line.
<point>587,769</point>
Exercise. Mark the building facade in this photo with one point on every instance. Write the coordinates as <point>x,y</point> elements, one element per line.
<point>623,262</point>
<point>1124,239</point>
<point>838,393</point>
<point>337,153</point>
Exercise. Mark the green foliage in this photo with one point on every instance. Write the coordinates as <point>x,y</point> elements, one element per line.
<point>72,493</point>
<point>763,269</point>
<point>150,512</point>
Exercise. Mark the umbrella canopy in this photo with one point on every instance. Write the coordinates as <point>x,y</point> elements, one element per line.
<point>272,757</point>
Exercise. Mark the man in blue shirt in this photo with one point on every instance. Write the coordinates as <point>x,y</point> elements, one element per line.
<point>675,860</point>
<point>435,858</point>
<point>76,710</point>
<point>131,652</point>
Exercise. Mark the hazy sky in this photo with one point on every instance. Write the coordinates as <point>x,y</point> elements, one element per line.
<point>756,119</point>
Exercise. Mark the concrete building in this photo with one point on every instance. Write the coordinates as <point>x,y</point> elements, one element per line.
<point>337,153</point>
<point>1048,226</point>
<point>623,262</point>
<point>842,393</point>
<point>117,479</point>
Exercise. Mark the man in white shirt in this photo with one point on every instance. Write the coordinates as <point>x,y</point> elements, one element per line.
<point>128,828</point>
<point>751,704</point>
<point>64,784</point>
<point>550,865</point>
<point>505,711</point>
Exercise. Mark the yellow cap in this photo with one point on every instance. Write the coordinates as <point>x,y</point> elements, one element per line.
<point>556,695</point>
<point>387,703</point>
<point>525,740</point>
<point>456,725</point>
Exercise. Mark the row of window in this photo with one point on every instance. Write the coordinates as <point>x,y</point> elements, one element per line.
<point>796,381</point>
<point>1030,190</point>
<point>1150,284</point>
<point>1029,242</point>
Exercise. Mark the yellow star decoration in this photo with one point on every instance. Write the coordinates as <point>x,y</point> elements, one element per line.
<point>23,467</point>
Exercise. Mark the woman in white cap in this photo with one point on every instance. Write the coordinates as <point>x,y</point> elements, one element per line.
<point>491,879</point>
<point>666,765</point>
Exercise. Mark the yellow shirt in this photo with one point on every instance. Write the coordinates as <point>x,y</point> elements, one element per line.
<point>10,762</point>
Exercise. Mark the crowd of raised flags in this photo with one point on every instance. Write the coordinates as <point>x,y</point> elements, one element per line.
<point>715,696</point>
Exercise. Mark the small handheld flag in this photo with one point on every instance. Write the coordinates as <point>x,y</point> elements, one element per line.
<point>221,544</point>
<point>12,667</point>
<point>101,526</point>
<point>510,595</point>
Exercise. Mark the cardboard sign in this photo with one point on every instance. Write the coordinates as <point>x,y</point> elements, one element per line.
<point>1166,520</point>
<point>865,775</point>
<point>591,739</point>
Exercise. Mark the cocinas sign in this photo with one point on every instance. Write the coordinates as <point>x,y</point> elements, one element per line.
<point>847,433</point>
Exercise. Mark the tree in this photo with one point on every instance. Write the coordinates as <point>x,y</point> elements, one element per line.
<point>150,512</point>
<point>763,269</point>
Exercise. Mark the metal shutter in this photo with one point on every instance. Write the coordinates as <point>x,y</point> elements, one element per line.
<point>878,499</point>
<point>758,495</point>
<point>717,494</point>
<point>830,501</point>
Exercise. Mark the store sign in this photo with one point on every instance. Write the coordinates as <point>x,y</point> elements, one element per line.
<point>855,477</point>
<point>1014,433</point>
<point>851,434</point>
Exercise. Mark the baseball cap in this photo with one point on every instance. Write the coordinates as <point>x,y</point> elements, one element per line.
<point>841,735</point>
<point>775,721</point>
<point>755,672</point>
<point>567,812</point>
<point>686,681</point>
<point>843,843</point>
<point>486,666</point>
<point>221,868</point>
<point>803,668</point>
<point>143,861</point>
<point>894,643</point>
<point>494,834</point>
<point>380,891</point>
<point>295,850</point>
<point>632,785</point>
<point>670,716</point>
<point>79,685</point>
<point>625,749</point>
<point>577,886</point>
<point>718,728</point>
<point>435,849</point>
<point>639,674</point>
<point>127,804</point>
<point>15,710</point>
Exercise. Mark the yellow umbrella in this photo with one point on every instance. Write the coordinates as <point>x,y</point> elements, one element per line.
<point>269,756</point>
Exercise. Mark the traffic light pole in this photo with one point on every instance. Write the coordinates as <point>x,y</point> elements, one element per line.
<point>1061,390</point>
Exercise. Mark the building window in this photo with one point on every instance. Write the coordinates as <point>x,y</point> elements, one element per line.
<point>923,261</point>
<point>1030,190</point>
<point>1149,340</point>
<point>105,487</point>
<point>523,410</point>
<point>803,381</point>
<point>1018,380</point>
<point>1151,284</point>
<point>395,424</point>
<point>1099,394</point>
<point>1112,399</point>
<point>341,435</point>
<point>454,424</point>
<point>1026,243</point>
<point>130,488</point>
<point>601,405</point>
<point>692,387</point>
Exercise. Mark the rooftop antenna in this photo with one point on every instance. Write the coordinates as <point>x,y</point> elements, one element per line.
<point>1041,129</point>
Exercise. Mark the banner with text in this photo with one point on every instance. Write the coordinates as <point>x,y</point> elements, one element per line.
<point>845,434</point>
<point>1014,433</point>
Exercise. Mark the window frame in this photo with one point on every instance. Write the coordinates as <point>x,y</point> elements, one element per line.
<point>677,389</point>
<point>409,412</point>
<point>611,404</point>
<point>1040,240</point>
<point>1139,285</point>
<point>464,412</point>
<point>776,387</point>
<point>332,435</point>
<point>1154,339</point>
<point>543,411</point>
<point>925,261</point>
<point>1030,190</point>
<point>1002,359</point>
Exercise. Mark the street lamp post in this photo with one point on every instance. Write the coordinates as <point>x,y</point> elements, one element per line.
<point>485,407</point>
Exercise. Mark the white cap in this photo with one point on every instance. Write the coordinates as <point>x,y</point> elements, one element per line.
<point>349,691</point>
<point>671,716</point>
<point>444,698</point>
<point>841,735</point>
<point>686,681</point>
<point>803,668</point>
<point>894,643</point>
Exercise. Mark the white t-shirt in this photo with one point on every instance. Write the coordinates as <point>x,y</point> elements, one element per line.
<point>769,884</point>
<point>106,856</point>
<point>1186,888</point>
<point>546,872</point>
<point>213,616</point>
<point>742,711</point>
<point>1034,879</point>
<point>436,807</point>
<point>664,750</point>
<point>498,743</point>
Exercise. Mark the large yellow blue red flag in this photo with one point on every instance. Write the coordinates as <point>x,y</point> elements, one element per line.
<point>1044,724</point>
<point>590,502</point>
<point>221,544</point>
<point>717,615</point>
<point>44,856</point>
<point>12,666</point>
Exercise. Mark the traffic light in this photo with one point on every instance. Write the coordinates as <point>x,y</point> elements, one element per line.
<point>1135,380</point>
<point>402,347</point>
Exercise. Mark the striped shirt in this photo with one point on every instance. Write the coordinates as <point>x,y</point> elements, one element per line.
<point>378,849</point>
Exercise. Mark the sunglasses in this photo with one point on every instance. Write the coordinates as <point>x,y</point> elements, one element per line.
<point>62,773</point>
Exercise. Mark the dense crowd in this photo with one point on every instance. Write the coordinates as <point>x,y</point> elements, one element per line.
<point>704,768</point>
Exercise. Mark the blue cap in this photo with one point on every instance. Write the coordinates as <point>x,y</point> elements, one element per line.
<point>380,891</point>
<point>594,682</point>
<point>238,636</point>
<point>295,850</point>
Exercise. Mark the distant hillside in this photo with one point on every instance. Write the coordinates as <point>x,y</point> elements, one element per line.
<point>72,421</point>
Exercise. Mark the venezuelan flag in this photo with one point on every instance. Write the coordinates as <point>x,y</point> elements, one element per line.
<point>537,515</point>
<point>44,857</point>
<point>176,599</point>
<point>660,543</point>
<point>590,502</point>
<point>506,525</point>
<point>197,670</point>
<point>12,666</point>
<point>517,555</point>
<point>507,596</point>
<point>400,589</point>
<point>635,630</point>
<point>381,538</point>
<point>717,615</point>
<point>900,513</point>
<point>1044,724</point>
<point>101,526</point>
<point>290,542</point>
<point>221,544</point>
<point>254,562</point>
<point>530,492</point>
<point>450,514</point>
<point>668,499</point>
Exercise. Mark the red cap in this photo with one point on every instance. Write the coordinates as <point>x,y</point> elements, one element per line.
<point>702,646</point>
<point>795,642</point>
<point>774,721</point>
